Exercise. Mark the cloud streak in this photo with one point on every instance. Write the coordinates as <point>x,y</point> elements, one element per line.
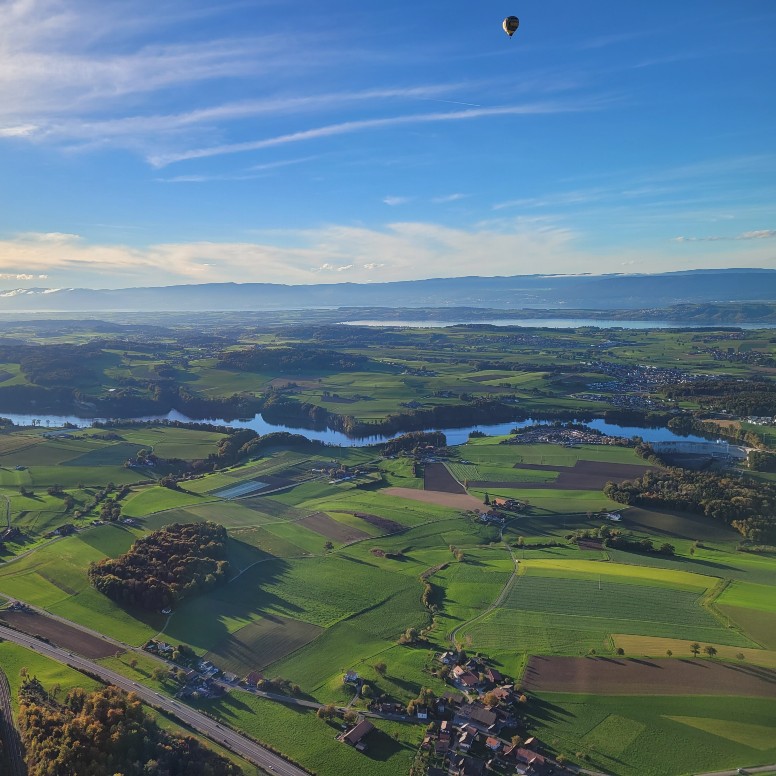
<point>362,125</point>
<point>758,234</point>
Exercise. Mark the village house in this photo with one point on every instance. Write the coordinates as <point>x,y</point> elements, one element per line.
<point>253,679</point>
<point>356,735</point>
<point>476,715</point>
<point>493,743</point>
<point>465,678</point>
<point>466,766</point>
<point>467,739</point>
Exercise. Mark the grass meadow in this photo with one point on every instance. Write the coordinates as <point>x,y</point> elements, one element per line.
<point>657,735</point>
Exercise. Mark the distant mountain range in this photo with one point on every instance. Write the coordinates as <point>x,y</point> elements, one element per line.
<point>559,292</point>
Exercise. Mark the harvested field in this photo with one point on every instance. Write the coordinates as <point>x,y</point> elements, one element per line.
<point>324,525</point>
<point>437,478</point>
<point>622,676</point>
<point>453,500</point>
<point>652,646</point>
<point>760,626</point>
<point>258,644</point>
<point>584,475</point>
<point>383,523</point>
<point>58,633</point>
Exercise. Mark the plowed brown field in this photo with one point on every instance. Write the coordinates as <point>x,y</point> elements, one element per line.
<point>58,633</point>
<point>631,676</point>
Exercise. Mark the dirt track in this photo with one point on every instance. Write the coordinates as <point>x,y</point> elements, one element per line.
<point>453,500</point>
<point>58,633</point>
<point>631,676</point>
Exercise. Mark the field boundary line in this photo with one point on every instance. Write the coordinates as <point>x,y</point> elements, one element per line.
<point>507,586</point>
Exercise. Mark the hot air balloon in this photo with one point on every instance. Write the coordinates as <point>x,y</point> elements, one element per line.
<point>510,25</point>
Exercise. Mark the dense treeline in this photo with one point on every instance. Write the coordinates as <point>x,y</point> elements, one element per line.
<point>290,359</point>
<point>53,365</point>
<point>739,397</point>
<point>687,424</point>
<point>106,733</point>
<point>746,505</point>
<point>165,567</point>
<point>410,442</point>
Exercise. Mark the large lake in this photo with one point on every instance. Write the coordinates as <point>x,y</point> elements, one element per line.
<point>455,436</point>
<point>561,323</point>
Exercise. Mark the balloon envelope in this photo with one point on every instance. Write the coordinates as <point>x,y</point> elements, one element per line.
<point>510,25</point>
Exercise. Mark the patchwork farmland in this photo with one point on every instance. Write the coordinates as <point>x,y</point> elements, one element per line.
<point>328,577</point>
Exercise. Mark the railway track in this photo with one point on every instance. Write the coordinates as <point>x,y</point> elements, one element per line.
<point>10,735</point>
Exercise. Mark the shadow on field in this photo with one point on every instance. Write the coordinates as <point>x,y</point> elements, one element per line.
<point>381,746</point>
<point>540,710</point>
<point>201,621</point>
<point>765,674</point>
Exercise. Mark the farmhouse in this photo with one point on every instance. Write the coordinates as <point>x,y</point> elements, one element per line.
<point>493,676</point>
<point>253,679</point>
<point>477,715</point>
<point>356,735</point>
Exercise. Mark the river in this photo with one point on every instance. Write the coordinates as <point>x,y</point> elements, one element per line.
<point>455,436</point>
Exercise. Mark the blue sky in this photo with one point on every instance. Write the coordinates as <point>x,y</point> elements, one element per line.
<point>151,143</point>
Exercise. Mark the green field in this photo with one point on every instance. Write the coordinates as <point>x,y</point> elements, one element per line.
<point>54,577</point>
<point>311,742</point>
<point>657,736</point>
<point>571,615</point>
<point>301,611</point>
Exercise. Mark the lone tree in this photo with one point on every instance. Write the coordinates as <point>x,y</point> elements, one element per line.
<point>695,648</point>
<point>487,500</point>
<point>710,651</point>
<point>669,653</point>
<point>329,546</point>
<point>381,668</point>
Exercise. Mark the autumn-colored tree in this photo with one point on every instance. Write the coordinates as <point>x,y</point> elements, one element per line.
<point>105,732</point>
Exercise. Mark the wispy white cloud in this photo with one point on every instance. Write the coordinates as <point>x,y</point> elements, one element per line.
<point>445,199</point>
<point>758,234</point>
<point>351,127</point>
<point>21,276</point>
<point>393,201</point>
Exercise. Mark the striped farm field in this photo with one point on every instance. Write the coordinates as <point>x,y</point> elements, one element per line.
<point>548,615</point>
<point>651,646</point>
<point>622,573</point>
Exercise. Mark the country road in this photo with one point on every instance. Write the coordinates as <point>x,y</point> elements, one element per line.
<point>203,724</point>
<point>10,734</point>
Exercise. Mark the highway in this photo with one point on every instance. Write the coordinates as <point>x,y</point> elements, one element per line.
<point>203,724</point>
<point>10,734</point>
